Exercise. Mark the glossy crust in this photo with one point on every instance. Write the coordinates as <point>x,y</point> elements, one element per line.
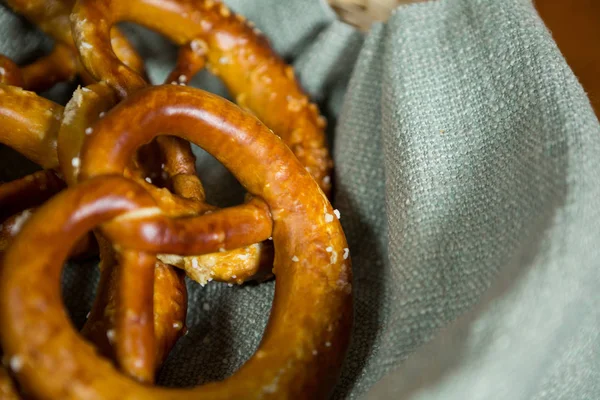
<point>29,191</point>
<point>111,328</point>
<point>58,66</point>
<point>239,54</point>
<point>52,17</point>
<point>29,124</point>
<point>10,74</point>
<point>301,351</point>
<point>8,391</point>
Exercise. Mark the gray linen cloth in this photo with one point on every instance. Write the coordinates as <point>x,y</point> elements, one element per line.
<point>467,158</point>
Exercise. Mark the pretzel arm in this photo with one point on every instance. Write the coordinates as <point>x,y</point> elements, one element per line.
<point>170,301</point>
<point>301,352</point>
<point>58,66</point>
<point>180,166</point>
<point>29,191</point>
<point>134,328</point>
<point>259,79</point>
<point>10,74</point>
<point>29,124</point>
<point>221,230</point>
<point>8,391</point>
<point>52,17</point>
<point>191,59</point>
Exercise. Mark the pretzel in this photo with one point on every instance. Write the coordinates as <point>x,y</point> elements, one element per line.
<point>10,74</point>
<point>302,350</point>
<point>32,126</point>
<point>258,79</point>
<point>32,121</point>
<point>105,320</point>
<point>27,192</point>
<point>87,104</point>
<point>7,387</point>
<point>29,124</point>
<point>52,17</point>
<point>238,265</point>
<point>208,33</point>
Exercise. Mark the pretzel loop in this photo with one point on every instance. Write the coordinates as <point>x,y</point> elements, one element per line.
<point>256,77</point>
<point>301,351</point>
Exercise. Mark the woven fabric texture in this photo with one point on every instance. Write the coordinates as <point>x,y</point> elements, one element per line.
<point>466,175</point>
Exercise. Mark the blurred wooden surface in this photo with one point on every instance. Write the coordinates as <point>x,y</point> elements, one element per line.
<point>575,26</point>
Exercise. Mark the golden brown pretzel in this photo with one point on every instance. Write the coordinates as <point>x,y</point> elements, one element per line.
<point>10,74</point>
<point>8,391</point>
<point>58,66</point>
<point>32,125</point>
<point>52,17</point>
<point>107,323</point>
<point>17,198</point>
<point>29,191</point>
<point>256,76</point>
<point>259,79</point>
<point>29,124</point>
<point>301,351</point>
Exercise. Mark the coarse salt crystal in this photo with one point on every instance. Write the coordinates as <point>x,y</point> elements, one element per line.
<point>295,259</point>
<point>16,363</point>
<point>328,217</point>
<point>346,253</point>
<point>337,213</point>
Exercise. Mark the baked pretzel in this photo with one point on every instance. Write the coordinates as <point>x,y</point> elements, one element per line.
<point>106,320</point>
<point>209,33</point>
<point>52,17</point>
<point>7,387</point>
<point>32,125</point>
<point>29,191</point>
<point>59,65</point>
<point>302,350</point>
<point>255,75</point>
<point>29,124</point>
<point>10,74</point>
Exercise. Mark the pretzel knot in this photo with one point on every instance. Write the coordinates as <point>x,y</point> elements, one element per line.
<point>301,351</point>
